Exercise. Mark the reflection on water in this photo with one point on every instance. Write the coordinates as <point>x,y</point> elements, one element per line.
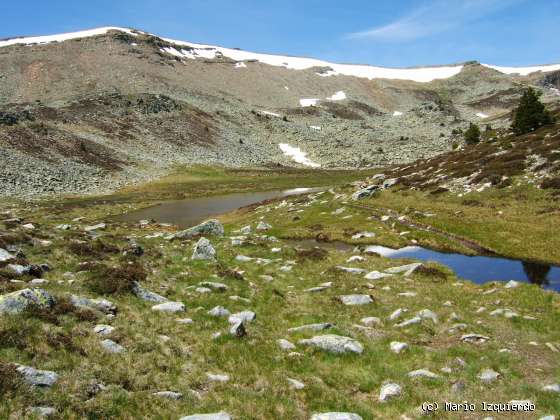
<point>189,212</point>
<point>537,273</point>
<point>477,269</point>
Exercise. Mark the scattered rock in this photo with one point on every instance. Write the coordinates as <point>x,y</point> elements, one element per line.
<point>295,384</point>
<point>551,388</point>
<point>336,416</point>
<point>146,295</point>
<point>312,327</point>
<point>285,344</point>
<point>101,305</point>
<point>474,338</point>
<point>210,227</point>
<point>111,347</point>
<point>212,416</point>
<point>204,250</point>
<point>407,269</point>
<point>511,284</point>
<point>169,307</point>
<point>221,287</point>
<point>37,377</point>
<point>217,377</point>
<point>376,275</point>
<point>351,300</point>
<point>17,302</point>
<point>169,395</point>
<point>218,311</point>
<point>99,226</point>
<point>334,344</point>
<point>370,320</point>
<point>488,375</point>
<point>243,316</point>
<point>103,329</point>
<point>389,391</point>
<point>42,412</point>
<point>397,346</point>
<point>423,373</point>
<point>427,314</point>
<point>411,321</point>
<point>5,256</point>
<point>238,329</point>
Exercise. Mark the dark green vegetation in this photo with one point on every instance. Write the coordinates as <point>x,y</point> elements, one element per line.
<point>472,135</point>
<point>530,114</point>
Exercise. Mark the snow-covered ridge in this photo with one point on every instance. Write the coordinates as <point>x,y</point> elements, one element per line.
<point>524,71</point>
<point>194,51</point>
<point>62,37</point>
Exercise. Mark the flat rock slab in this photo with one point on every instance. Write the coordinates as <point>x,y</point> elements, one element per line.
<point>212,416</point>
<point>389,391</point>
<point>351,300</point>
<point>312,327</point>
<point>407,269</point>
<point>101,305</point>
<point>5,256</point>
<point>37,377</point>
<point>334,344</point>
<point>111,347</point>
<point>169,307</point>
<point>168,394</point>
<point>147,295</point>
<point>376,275</point>
<point>17,302</point>
<point>336,416</point>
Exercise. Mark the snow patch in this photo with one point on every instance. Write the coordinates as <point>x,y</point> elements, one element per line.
<point>524,71</point>
<point>315,127</point>
<point>338,96</point>
<point>240,65</point>
<point>286,87</point>
<point>481,115</point>
<point>297,155</point>
<point>63,37</point>
<point>308,102</point>
<point>397,113</point>
<point>390,252</point>
<point>274,114</point>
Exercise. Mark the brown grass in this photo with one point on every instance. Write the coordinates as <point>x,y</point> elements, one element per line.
<point>115,280</point>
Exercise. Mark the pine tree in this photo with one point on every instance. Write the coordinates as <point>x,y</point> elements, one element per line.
<point>530,114</point>
<point>472,135</point>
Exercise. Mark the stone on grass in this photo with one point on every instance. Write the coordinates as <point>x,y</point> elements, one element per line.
<point>103,329</point>
<point>352,300</point>
<point>488,375</point>
<point>101,305</point>
<point>209,227</point>
<point>218,311</point>
<point>411,321</point>
<point>203,250</point>
<point>169,395</point>
<point>312,327</point>
<point>185,321</point>
<point>370,320</point>
<point>474,338</point>
<point>351,270</point>
<point>423,373</point>
<point>111,347</point>
<point>42,412</point>
<point>221,287</point>
<point>397,346</point>
<point>243,316</point>
<point>147,295</point>
<point>5,256</point>
<point>389,391</point>
<point>169,307</point>
<point>36,377</point>
<point>285,344</point>
<point>407,269</point>
<point>217,377</point>
<point>511,284</point>
<point>334,344</point>
<point>427,314</point>
<point>396,314</point>
<point>212,416</point>
<point>551,388</point>
<point>295,384</point>
<point>376,275</point>
<point>263,226</point>
<point>336,415</point>
<point>17,302</point>
<point>238,329</point>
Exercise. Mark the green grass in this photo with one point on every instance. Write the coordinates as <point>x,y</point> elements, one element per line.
<point>257,367</point>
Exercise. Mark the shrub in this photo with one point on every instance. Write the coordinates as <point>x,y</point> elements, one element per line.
<point>472,135</point>
<point>112,280</point>
<point>530,114</point>
<point>553,183</point>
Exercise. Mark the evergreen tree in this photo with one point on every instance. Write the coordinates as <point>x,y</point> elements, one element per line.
<point>472,135</point>
<point>530,114</point>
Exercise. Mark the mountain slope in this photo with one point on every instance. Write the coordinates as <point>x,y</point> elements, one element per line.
<point>94,110</point>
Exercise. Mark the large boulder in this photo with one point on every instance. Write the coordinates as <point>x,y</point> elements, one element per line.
<point>333,343</point>
<point>37,377</point>
<point>147,295</point>
<point>203,250</point>
<point>17,302</point>
<point>5,256</point>
<point>210,227</point>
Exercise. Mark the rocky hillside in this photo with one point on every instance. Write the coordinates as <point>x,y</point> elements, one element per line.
<point>95,110</point>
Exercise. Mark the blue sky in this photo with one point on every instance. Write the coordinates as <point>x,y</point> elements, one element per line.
<point>388,33</point>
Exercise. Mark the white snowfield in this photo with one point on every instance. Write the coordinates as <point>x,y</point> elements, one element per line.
<point>62,37</point>
<point>305,102</point>
<point>194,51</point>
<point>338,96</point>
<point>297,155</point>
<point>524,71</point>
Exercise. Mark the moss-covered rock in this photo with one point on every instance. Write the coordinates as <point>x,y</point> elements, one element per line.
<point>17,302</point>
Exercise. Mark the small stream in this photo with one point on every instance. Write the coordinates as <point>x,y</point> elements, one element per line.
<point>479,269</point>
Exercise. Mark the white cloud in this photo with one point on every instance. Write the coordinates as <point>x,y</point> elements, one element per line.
<point>436,17</point>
